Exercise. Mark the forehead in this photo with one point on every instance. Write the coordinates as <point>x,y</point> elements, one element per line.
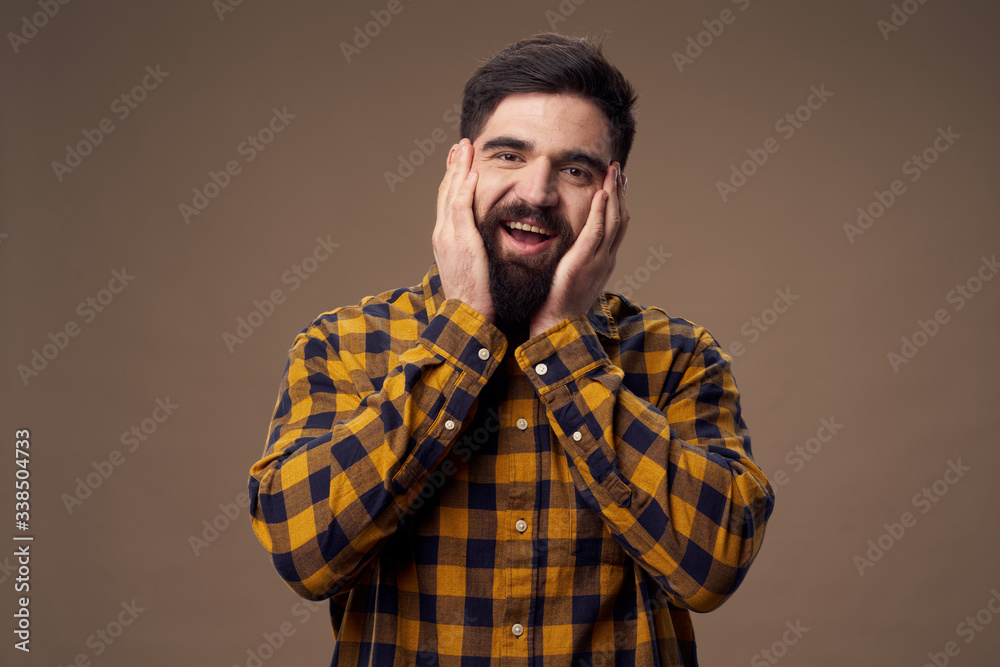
<point>552,122</point>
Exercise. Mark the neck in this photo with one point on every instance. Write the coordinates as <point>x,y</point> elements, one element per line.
<point>515,332</point>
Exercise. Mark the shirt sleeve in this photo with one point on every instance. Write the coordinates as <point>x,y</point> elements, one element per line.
<point>342,466</point>
<point>674,481</point>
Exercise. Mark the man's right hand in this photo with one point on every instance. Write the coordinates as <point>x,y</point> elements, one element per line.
<point>458,247</point>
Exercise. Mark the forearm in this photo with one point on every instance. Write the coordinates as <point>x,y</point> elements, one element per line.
<point>674,481</point>
<point>341,466</point>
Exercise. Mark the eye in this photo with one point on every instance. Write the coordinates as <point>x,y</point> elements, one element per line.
<point>506,157</point>
<point>578,174</point>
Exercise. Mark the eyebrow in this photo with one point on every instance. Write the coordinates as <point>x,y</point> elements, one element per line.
<point>514,143</point>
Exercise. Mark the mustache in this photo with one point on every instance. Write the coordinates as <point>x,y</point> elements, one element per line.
<point>518,209</point>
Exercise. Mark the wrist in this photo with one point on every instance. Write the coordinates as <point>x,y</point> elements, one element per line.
<point>483,309</point>
<point>543,324</point>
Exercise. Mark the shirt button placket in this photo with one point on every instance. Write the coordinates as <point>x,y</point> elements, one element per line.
<point>521,579</point>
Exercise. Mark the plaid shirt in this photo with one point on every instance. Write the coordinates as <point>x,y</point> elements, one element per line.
<point>461,503</point>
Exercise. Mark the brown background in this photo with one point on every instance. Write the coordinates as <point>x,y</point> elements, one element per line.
<point>826,357</point>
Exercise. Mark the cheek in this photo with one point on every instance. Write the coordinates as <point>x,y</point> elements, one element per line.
<point>578,210</point>
<point>488,192</point>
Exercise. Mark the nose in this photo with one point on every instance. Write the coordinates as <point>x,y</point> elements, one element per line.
<point>536,183</point>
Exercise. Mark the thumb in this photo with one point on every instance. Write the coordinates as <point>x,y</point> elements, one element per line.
<point>592,233</point>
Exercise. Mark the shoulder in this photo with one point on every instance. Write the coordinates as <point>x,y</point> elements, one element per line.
<point>652,329</point>
<point>398,312</point>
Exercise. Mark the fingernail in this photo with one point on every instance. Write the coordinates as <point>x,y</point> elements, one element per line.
<point>625,185</point>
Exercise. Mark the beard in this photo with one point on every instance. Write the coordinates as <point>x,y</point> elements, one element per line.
<point>519,284</point>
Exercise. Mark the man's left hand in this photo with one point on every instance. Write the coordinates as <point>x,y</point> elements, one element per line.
<point>584,270</point>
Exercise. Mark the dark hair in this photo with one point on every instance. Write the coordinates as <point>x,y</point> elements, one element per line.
<point>553,63</point>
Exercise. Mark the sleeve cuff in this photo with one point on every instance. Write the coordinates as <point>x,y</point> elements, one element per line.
<point>465,338</point>
<point>554,361</point>
<point>560,354</point>
<point>474,348</point>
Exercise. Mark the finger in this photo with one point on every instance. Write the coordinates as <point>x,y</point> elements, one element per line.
<point>623,215</point>
<point>464,193</point>
<point>464,199</point>
<point>452,181</point>
<point>455,167</point>
<point>590,237</point>
<point>462,161</point>
<point>609,221</point>
<point>445,185</point>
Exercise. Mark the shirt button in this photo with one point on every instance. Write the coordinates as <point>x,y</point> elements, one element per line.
<point>517,629</point>
<point>541,369</point>
<point>522,424</point>
<point>521,525</point>
<point>484,354</point>
<point>577,436</point>
<point>449,425</point>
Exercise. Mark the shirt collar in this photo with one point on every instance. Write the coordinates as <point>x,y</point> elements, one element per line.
<point>600,316</point>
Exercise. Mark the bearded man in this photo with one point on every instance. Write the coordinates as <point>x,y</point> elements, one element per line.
<point>505,464</point>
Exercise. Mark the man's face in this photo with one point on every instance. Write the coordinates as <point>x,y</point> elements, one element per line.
<point>540,159</point>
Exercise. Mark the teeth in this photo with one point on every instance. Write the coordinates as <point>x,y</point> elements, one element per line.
<point>530,228</point>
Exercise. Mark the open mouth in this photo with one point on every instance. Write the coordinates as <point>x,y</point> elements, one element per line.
<point>527,233</point>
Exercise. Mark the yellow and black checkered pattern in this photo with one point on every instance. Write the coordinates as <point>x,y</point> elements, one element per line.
<point>463,504</point>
